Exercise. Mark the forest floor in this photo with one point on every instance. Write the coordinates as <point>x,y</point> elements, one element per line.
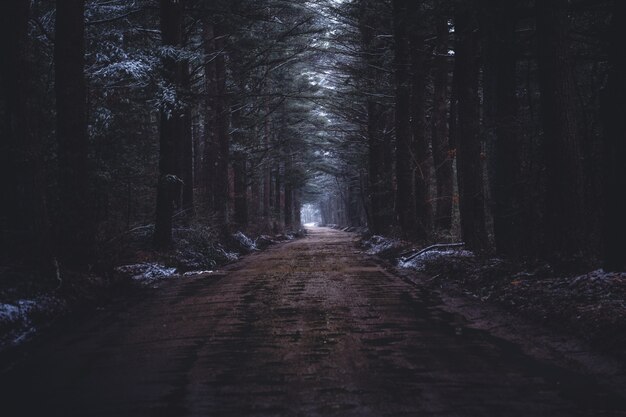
<point>313,327</point>
<point>591,306</point>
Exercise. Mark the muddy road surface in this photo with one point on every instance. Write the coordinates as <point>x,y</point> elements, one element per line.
<point>309,328</point>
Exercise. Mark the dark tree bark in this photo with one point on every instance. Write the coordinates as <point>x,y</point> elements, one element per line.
<point>354,203</point>
<point>388,152</point>
<point>222,110</point>
<point>288,205</point>
<point>380,188</point>
<point>240,184</point>
<point>469,155</point>
<point>288,191</point>
<point>453,125</point>
<point>210,117</point>
<point>565,222</point>
<point>271,192</point>
<point>297,209</point>
<point>500,103</point>
<point>405,198</point>
<point>255,194</point>
<point>267,169</point>
<point>24,225</point>
<point>380,172</point>
<point>13,29</point>
<point>440,142</point>
<point>420,148</point>
<point>197,141</point>
<point>76,231</point>
<point>614,114</point>
<point>187,165</point>
<point>239,171</point>
<point>277,192</point>
<point>172,127</point>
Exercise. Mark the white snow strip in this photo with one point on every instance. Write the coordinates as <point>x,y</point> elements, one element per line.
<point>378,244</point>
<point>9,313</point>
<point>192,273</point>
<point>147,272</point>
<point>419,262</point>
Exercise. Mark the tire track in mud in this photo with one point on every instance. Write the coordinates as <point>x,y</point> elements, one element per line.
<point>309,328</point>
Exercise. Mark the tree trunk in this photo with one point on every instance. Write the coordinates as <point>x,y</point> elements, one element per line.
<point>381,193</point>
<point>76,232</point>
<point>288,191</point>
<point>440,143</point>
<point>277,193</point>
<point>240,184</point>
<point>288,205</point>
<point>24,225</point>
<point>267,167</point>
<point>187,165</point>
<point>565,222</point>
<point>272,190</point>
<point>297,209</point>
<point>405,199</point>
<point>13,27</point>
<point>614,114</point>
<point>172,125</point>
<point>239,170</point>
<point>420,148</point>
<point>222,111</point>
<point>469,155</point>
<point>501,110</point>
<point>210,117</point>
<point>354,203</point>
<point>380,172</point>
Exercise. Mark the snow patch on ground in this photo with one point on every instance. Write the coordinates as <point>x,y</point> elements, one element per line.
<point>229,256</point>
<point>9,312</point>
<point>151,274</point>
<point>379,244</point>
<point>19,319</point>
<point>599,275</point>
<point>245,241</point>
<point>420,262</point>
<point>193,273</point>
<point>147,272</point>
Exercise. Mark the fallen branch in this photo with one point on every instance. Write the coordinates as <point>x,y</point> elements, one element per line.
<point>57,269</point>
<point>408,252</point>
<point>437,246</point>
<point>129,232</point>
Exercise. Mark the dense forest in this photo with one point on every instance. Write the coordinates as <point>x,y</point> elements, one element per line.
<point>496,123</point>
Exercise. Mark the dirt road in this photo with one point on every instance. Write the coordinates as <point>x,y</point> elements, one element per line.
<point>309,328</point>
